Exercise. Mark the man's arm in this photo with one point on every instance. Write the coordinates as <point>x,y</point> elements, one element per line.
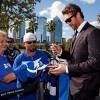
<point>65,55</point>
<point>92,63</point>
<point>10,77</point>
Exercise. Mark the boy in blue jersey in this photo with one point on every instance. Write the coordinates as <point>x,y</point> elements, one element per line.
<point>31,54</point>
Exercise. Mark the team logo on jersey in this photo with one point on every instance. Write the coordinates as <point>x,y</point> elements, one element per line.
<point>7,65</point>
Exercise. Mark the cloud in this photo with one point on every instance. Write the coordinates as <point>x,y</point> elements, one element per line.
<point>65,26</point>
<point>89,1</point>
<point>95,23</point>
<point>54,10</point>
<point>66,35</point>
<point>45,13</point>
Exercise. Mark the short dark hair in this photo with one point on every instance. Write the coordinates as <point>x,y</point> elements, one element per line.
<point>10,39</point>
<point>73,9</point>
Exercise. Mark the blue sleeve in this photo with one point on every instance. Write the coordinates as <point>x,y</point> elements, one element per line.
<point>17,61</point>
<point>20,73</point>
<point>44,58</point>
<point>19,69</point>
<point>5,69</point>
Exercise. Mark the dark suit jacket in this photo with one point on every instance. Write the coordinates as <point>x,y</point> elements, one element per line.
<point>84,64</point>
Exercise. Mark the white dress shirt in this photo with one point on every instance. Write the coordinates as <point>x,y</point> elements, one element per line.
<point>80,27</point>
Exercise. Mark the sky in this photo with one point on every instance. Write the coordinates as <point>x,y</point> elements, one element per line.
<point>52,8</point>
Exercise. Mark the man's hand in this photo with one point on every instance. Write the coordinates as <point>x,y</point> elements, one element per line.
<point>57,69</point>
<point>56,49</point>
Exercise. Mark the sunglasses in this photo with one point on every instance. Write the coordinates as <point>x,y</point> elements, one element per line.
<point>9,42</point>
<point>30,42</point>
<point>69,19</point>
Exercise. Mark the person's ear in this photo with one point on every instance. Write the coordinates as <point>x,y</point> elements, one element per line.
<point>78,15</point>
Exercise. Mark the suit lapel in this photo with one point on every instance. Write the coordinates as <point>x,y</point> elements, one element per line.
<point>77,40</point>
<point>79,37</point>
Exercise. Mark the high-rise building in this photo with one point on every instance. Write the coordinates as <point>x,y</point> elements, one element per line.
<point>56,36</point>
<point>21,31</point>
<point>41,31</point>
<point>17,35</point>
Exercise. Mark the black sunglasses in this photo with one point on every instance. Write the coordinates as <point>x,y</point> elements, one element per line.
<point>30,42</point>
<point>69,19</point>
<point>9,42</point>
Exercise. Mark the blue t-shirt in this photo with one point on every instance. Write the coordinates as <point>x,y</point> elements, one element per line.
<point>5,68</point>
<point>23,57</point>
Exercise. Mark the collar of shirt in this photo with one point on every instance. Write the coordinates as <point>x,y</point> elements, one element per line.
<point>80,27</point>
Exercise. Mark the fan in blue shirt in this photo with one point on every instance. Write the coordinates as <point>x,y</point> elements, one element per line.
<point>31,54</point>
<point>24,58</point>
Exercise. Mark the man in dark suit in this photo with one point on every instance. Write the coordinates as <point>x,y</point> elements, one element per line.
<point>83,65</point>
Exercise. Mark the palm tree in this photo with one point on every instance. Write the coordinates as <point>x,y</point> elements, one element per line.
<point>33,25</point>
<point>51,28</point>
<point>16,9</point>
<point>4,22</point>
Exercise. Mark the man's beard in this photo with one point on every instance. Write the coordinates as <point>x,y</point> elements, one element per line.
<point>32,50</point>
